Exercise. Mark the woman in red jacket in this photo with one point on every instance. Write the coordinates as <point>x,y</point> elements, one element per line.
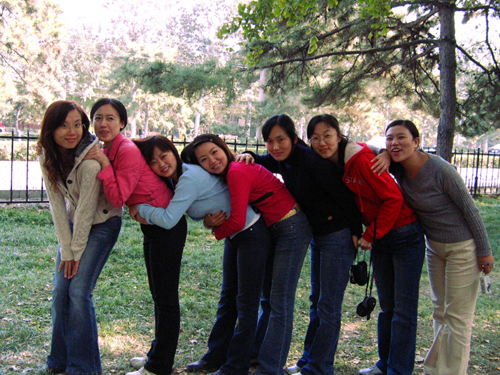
<point>398,250</point>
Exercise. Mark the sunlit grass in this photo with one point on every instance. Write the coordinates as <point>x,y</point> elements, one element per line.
<point>125,310</point>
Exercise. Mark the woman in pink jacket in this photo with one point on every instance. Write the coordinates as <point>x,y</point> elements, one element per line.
<point>129,180</point>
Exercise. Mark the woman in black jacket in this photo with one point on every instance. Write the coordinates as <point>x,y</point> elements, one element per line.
<point>317,186</point>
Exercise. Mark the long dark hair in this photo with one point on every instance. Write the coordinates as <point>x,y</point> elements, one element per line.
<point>116,104</point>
<point>147,146</point>
<point>286,123</point>
<point>412,128</point>
<point>189,154</point>
<point>54,117</point>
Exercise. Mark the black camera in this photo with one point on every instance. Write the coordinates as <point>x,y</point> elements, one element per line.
<point>358,273</point>
<point>366,307</point>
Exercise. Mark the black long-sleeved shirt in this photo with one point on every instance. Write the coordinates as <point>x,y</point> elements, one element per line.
<point>316,184</point>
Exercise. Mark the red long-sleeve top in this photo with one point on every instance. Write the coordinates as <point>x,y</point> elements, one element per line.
<point>129,179</point>
<point>254,185</point>
<point>376,196</point>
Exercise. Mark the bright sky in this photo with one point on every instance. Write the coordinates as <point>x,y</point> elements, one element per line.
<point>94,12</point>
<point>89,10</point>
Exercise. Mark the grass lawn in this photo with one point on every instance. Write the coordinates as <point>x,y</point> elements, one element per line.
<point>125,312</point>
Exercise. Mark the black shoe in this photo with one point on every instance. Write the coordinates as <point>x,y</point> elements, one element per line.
<point>254,362</point>
<point>46,369</point>
<point>201,366</point>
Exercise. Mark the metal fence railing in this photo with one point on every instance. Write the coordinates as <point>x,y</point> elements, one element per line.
<point>21,178</point>
<point>480,171</point>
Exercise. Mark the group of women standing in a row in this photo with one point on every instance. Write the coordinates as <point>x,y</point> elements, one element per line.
<point>329,190</point>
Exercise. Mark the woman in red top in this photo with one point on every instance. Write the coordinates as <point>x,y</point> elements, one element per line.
<point>397,252</point>
<point>288,225</point>
<point>128,179</point>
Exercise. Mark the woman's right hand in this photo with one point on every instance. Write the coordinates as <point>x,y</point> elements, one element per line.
<point>381,162</point>
<point>214,220</point>
<point>97,154</point>
<point>247,158</point>
<point>70,268</point>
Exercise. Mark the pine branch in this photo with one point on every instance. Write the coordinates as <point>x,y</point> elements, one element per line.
<point>354,52</point>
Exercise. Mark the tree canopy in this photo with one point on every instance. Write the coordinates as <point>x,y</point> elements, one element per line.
<point>334,49</point>
<point>365,61</point>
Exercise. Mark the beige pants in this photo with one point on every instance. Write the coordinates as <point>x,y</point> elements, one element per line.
<point>454,278</point>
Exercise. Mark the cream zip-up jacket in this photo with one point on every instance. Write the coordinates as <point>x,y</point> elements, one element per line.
<point>80,200</point>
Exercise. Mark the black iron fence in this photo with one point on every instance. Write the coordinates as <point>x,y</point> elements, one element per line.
<point>21,179</point>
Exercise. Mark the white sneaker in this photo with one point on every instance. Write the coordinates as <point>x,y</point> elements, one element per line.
<point>371,371</point>
<point>138,362</point>
<point>293,370</point>
<point>141,371</point>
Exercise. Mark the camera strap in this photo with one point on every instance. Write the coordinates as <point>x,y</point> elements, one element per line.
<point>370,267</point>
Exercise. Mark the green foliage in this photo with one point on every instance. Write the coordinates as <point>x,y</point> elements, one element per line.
<point>333,53</point>
<point>20,151</point>
<point>30,46</point>
<point>479,110</point>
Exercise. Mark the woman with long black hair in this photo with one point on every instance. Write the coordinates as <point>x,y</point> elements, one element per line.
<point>87,227</point>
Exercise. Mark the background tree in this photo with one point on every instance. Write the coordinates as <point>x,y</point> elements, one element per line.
<point>336,48</point>
<point>31,38</point>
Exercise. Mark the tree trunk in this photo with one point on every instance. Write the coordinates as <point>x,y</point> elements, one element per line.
<point>198,116</point>
<point>146,120</point>
<point>448,65</point>
<point>262,97</point>
<point>133,127</point>
<point>249,114</point>
<point>16,124</point>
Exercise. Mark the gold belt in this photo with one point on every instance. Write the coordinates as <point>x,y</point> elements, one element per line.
<point>290,213</point>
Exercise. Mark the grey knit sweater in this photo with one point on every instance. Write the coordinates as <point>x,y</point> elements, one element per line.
<point>443,204</point>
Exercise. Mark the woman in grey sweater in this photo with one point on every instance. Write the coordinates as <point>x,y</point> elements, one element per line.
<point>457,244</point>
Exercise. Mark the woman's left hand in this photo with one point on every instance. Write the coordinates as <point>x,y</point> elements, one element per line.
<point>214,220</point>
<point>364,244</point>
<point>486,264</point>
<point>134,214</point>
<point>381,162</point>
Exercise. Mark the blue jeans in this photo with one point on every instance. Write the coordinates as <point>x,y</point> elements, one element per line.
<point>331,257</point>
<point>291,237</point>
<point>245,257</point>
<point>398,258</point>
<point>74,346</point>
<point>163,255</point>
<point>265,305</point>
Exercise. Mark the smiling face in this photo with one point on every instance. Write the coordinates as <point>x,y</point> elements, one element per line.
<point>400,143</point>
<point>164,164</point>
<point>69,134</point>
<point>279,144</point>
<point>107,124</point>
<point>211,157</point>
<point>325,141</point>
